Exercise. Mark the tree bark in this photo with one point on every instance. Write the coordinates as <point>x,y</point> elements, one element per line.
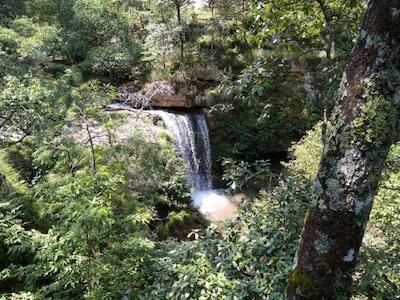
<point>359,134</point>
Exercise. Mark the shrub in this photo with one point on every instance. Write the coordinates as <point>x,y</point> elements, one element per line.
<point>113,59</point>
<point>270,109</point>
<point>249,258</point>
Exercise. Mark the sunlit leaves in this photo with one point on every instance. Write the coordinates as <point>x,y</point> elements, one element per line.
<point>240,175</point>
<point>29,40</point>
<point>301,26</point>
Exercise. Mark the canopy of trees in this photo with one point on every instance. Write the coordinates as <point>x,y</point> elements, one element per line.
<point>93,208</point>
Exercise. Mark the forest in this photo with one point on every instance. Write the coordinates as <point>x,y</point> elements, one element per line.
<point>200,149</point>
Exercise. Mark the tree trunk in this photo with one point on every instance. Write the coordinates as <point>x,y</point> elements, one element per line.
<point>213,28</point>
<point>359,134</point>
<point>328,16</point>
<point>181,39</point>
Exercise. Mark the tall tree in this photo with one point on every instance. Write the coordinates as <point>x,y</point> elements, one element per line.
<point>361,130</point>
<point>178,4</point>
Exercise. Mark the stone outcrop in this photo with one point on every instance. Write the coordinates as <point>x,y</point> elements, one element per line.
<point>166,94</point>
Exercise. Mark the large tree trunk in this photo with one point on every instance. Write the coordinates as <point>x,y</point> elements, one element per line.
<point>359,134</point>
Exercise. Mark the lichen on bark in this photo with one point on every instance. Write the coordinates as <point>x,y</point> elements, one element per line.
<point>376,122</point>
<point>323,244</point>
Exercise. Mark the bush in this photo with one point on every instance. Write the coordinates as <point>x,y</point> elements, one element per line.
<point>241,176</point>
<point>270,109</point>
<point>95,203</point>
<point>306,154</point>
<point>113,59</point>
<point>249,258</point>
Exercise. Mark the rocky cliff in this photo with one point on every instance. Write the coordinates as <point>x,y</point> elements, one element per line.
<point>166,94</point>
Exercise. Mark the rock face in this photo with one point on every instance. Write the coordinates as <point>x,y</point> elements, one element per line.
<point>166,94</point>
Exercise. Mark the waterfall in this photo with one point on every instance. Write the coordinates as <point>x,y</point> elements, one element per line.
<point>190,136</point>
<point>191,140</point>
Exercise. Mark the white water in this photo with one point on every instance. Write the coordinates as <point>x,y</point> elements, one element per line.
<point>191,139</point>
<point>214,206</point>
<point>190,133</point>
<point>208,202</point>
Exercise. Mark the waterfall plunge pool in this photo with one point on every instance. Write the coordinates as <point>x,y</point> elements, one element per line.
<point>214,205</point>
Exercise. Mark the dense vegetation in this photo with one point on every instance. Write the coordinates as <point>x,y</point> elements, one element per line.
<point>84,215</point>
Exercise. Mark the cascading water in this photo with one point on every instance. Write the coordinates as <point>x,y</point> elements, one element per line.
<point>189,132</point>
<point>191,139</point>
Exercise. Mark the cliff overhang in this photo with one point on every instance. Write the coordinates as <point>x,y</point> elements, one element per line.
<point>166,94</point>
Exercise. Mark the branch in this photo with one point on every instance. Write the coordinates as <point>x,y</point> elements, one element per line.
<point>326,11</point>
<point>391,188</point>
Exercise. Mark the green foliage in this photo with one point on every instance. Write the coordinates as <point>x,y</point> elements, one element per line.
<point>270,109</point>
<point>97,240</point>
<point>84,215</point>
<point>24,44</point>
<point>28,104</point>
<point>11,180</point>
<point>292,78</point>
<point>303,26</point>
<point>29,41</point>
<point>248,259</point>
<point>98,21</point>
<point>160,44</point>
<point>179,225</point>
<point>158,173</point>
<point>240,176</point>
<point>98,34</point>
<point>101,232</point>
<point>375,123</point>
<point>79,245</point>
<point>113,59</point>
<point>306,154</point>
<point>83,227</point>
<point>10,10</point>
